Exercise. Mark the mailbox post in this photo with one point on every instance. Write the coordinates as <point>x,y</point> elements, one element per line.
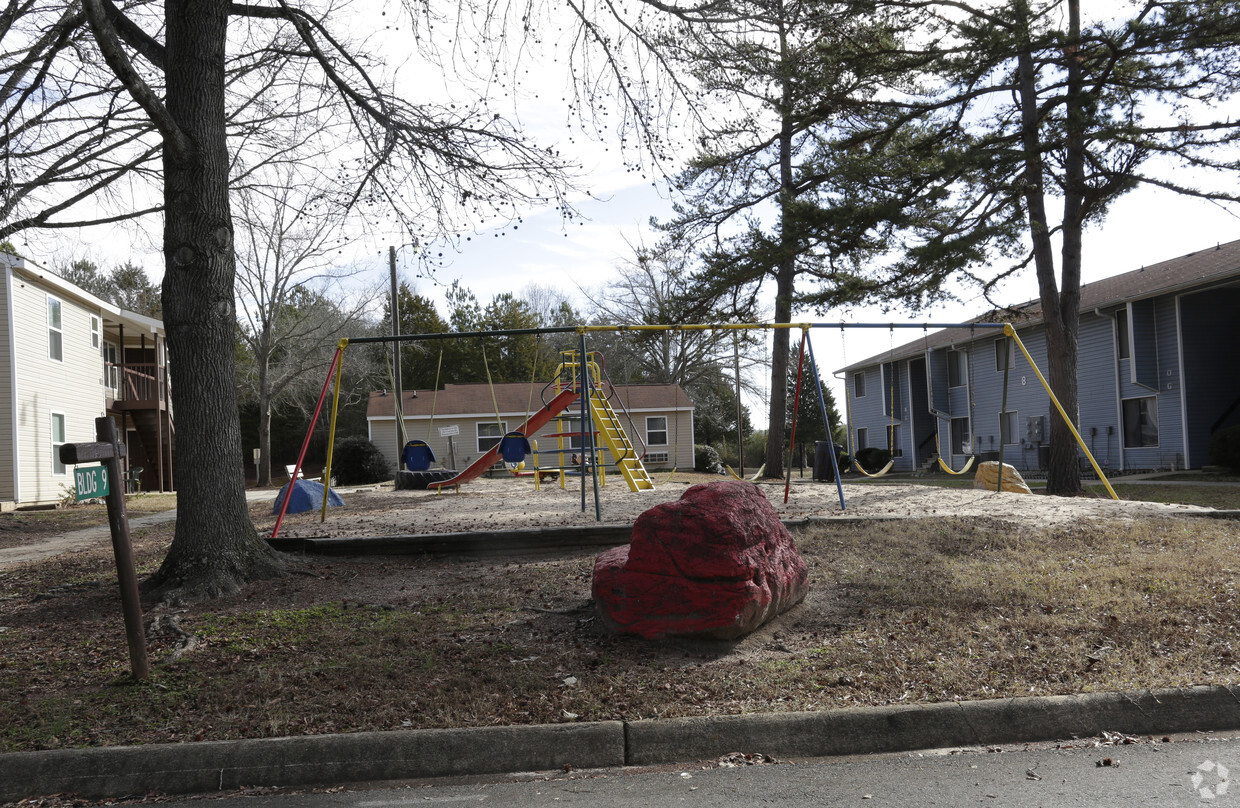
<point>106,480</point>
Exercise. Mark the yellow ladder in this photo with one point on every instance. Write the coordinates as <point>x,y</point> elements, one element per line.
<point>617,442</point>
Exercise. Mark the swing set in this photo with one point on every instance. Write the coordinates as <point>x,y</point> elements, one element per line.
<point>585,386</point>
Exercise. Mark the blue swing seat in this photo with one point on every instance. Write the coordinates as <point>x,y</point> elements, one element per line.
<point>513,447</point>
<point>417,455</point>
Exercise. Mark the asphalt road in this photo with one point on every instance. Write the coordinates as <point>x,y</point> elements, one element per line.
<point>1191,770</point>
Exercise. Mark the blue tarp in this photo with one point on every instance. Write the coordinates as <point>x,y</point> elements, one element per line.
<point>307,495</point>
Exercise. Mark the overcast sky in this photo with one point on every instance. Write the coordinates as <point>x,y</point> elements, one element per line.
<point>1145,227</point>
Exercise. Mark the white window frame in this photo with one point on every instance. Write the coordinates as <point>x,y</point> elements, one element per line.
<point>479,437</point>
<point>859,384</point>
<point>863,438</point>
<point>58,469</point>
<point>1011,353</point>
<point>56,330</point>
<point>894,447</point>
<point>1124,422</point>
<point>962,444</point>
<point>1009,427</point>
<point>963,371</point>
<point>650,433</point>
<point>111,367</point>
<point>96,332</point>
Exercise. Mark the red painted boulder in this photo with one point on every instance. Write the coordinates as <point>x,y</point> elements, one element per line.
<point>717,563</point>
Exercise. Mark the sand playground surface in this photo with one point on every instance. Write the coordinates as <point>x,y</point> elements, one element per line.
<point>512,503</point>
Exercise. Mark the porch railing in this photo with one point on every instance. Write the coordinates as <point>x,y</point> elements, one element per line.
<point>136,382</point>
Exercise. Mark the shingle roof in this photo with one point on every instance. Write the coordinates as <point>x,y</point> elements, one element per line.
<point>1193,269</point>
<point>462,399</point>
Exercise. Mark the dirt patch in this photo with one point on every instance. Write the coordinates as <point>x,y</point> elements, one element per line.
<point>506,503</point>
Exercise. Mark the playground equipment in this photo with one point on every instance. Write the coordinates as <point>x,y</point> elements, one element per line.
<point>594,403</point>
<point>574,383</point>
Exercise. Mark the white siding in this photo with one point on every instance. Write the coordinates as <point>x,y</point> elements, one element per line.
<point>72,386</point>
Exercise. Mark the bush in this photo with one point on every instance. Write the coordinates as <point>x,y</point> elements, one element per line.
<point>1225,448</point>
<point>872,458</point>
<point>357,461</point>
<point>706,458</point>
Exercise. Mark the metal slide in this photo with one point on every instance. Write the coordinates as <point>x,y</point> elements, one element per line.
<point>536,422</point>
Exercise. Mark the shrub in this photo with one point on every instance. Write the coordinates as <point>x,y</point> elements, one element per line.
<point>357,461</point>
<point>1225,448</point>
<point>706,458</point>
<point>872,458</point>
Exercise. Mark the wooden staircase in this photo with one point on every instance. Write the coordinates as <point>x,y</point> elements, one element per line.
<point>148,424</point>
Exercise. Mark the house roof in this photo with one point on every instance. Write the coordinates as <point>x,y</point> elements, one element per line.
<point>1218,263</point>
<point>35,272</point>
<point>516,397</point>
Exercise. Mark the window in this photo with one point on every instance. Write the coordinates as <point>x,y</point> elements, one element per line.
<point>1007,427</point>
<point>1122,333</point>
<point>957,369</point>
<point>573,429</point>
<point>863,438</point>
<point>111,366</point>
<point>1140,422</point>
<point>960,436</point>
<point>489,434</point>
<point>999,354</point>
<point>859,385</point>
<point>96,333</point>
<point>55,336</point>
<point>58,440</point>
<point>893,440</point>
<point>656,430</point>
<point>892,397</point>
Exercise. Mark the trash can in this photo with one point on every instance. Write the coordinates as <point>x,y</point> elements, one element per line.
<point>824,470</point>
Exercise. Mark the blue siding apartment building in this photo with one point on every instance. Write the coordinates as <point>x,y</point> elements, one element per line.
<point>1158,373</point>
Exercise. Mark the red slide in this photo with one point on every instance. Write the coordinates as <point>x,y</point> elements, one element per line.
<point>536,422</point>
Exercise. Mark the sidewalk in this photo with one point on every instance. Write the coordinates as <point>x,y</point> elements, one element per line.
<point>101,534</point>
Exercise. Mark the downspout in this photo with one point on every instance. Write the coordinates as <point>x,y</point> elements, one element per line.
<point>8,292</point>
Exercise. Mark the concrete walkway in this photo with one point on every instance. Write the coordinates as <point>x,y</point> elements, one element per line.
<point>101,534</point>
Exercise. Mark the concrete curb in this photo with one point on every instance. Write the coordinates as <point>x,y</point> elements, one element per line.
<point>369,756</point>
<point>354,757</point>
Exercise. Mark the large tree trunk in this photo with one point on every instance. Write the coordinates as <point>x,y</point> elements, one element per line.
<point>779,374</point>
<point>1059,305</point>
<point>1064,472</point>
<point>216,547</point>
<point>785,277</point>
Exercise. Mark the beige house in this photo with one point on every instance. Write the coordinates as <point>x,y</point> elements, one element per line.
<point>657,418</point>
<point>66,358</point>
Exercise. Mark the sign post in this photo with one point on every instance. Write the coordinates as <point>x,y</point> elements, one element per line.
<point>92,482</point>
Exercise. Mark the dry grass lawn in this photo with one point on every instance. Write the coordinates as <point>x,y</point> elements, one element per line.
<point>917,610</point>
